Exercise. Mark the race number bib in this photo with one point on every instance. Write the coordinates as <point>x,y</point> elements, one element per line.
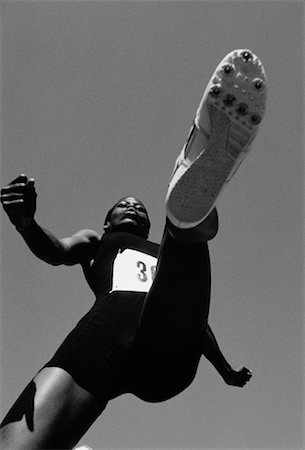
<point>133,271</point>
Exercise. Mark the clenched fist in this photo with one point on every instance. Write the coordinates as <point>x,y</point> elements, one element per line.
<point>238,377</point>
<point>19,201</point>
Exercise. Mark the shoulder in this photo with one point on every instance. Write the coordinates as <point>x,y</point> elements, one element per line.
<point>81,246</point>
<point>87,234</point>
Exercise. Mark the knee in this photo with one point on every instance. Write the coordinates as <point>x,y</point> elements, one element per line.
<point>15,436</point>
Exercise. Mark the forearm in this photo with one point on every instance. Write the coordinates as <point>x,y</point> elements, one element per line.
<point>42,243</point>
<point>212,352</point>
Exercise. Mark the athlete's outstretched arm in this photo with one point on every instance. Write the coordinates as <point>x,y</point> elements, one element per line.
<point>68,251</point>
<point>19,202</point>
<point>212,352</point>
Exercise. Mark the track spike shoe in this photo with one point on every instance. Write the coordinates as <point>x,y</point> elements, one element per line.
<point>226,122</point>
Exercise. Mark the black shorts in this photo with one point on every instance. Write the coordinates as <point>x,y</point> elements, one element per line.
<point>104,355</point>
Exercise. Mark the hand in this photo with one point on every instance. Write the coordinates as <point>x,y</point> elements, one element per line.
<point>19,201</point>
<point>238,377</point>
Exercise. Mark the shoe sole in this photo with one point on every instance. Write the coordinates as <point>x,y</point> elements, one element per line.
<point>232,108</point>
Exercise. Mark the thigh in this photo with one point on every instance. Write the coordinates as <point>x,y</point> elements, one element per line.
<point>52,412</point>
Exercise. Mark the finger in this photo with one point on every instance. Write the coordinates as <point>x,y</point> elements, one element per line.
<point>245,380</point>
<point>248,373</point>
<point>20,179</point>
<point>10,197</point>
<point>9,205</point>
<point>30,186</point>
<point>12,208</point>
<point>17,187</point>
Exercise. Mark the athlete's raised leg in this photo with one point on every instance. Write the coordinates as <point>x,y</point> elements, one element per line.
<point>52,412</point>
<point>226,122</point>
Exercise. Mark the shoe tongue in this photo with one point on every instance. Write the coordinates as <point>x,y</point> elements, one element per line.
<point>196,144</point>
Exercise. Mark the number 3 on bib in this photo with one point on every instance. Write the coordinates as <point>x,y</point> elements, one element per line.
<point>133,271</point>
<point>142,275</point>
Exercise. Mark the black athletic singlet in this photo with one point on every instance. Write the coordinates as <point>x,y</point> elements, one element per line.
<point>102,353</point>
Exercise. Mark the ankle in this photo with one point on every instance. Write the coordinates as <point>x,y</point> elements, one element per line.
<point>203,232</point>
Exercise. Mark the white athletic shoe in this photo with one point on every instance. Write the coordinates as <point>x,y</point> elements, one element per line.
<point>226,122</point>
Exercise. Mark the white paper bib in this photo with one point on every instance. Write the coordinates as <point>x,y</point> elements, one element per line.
<point>133,271</point>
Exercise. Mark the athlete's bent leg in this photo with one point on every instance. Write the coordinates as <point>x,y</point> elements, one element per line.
<point>53,412</point>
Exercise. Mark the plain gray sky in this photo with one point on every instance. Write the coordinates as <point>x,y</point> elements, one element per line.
<point>96,100</point>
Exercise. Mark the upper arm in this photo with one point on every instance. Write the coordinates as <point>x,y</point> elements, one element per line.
<point>80,246</point>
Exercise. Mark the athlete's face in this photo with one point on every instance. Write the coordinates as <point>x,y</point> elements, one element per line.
<point>129,215</point>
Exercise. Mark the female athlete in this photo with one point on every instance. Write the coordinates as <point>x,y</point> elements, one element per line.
<point>148,327</point>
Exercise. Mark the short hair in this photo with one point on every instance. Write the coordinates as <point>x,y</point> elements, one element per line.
<point>108,218</point>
